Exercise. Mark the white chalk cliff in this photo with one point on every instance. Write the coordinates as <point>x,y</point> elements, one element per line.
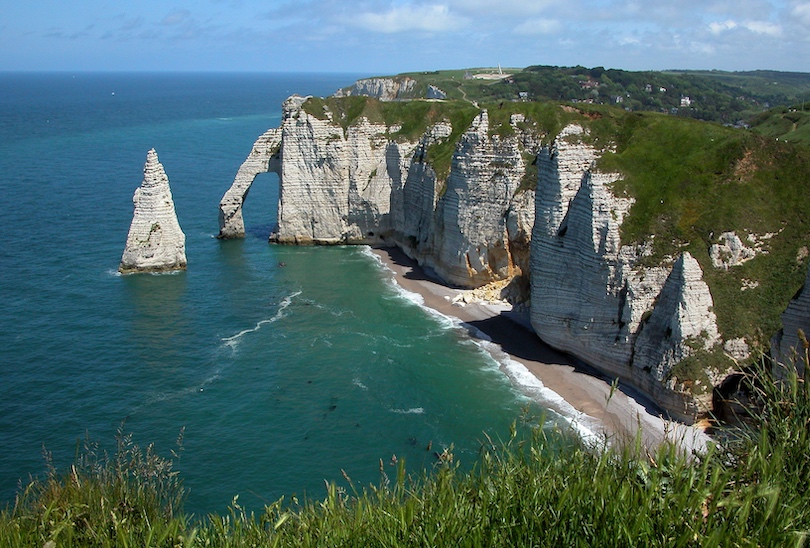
<point>263,158</point>
<point>384,89</point>
<point>590,296</point>
<point>155,242</point>
<point>366,185</point>
<point>483,220</point>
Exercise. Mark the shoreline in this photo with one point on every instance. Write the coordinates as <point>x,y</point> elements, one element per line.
<point>588,398</point>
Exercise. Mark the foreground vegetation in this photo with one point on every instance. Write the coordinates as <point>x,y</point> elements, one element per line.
<point>751,491</point>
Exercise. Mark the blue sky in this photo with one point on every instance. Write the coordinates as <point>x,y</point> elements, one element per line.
<point>386,37</point>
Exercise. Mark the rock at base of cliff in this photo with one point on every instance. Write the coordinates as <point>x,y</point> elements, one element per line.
<point>155,242</point>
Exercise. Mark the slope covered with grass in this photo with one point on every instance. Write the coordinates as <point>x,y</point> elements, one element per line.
<point>790,124</point>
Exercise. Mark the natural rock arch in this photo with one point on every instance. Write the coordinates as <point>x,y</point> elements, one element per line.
<point>265,157</point>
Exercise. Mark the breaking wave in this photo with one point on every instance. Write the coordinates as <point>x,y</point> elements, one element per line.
<point>233,340</point>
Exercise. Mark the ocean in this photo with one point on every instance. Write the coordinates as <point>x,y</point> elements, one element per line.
<point>279,377</point>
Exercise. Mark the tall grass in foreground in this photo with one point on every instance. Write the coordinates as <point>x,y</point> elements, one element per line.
<point>752,491</point>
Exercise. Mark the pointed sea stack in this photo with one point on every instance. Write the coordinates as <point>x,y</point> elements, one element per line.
<point>155,242</point>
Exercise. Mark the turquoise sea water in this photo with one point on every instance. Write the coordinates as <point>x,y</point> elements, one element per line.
<point>281,377</point>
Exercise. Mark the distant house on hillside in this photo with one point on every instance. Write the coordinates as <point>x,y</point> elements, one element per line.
<point>686,101</point>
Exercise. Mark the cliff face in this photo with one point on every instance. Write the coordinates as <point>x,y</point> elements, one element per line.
<point>362,182</point>
<point>484,221</point>
<point>384,89</point>
<point>590,297</point>
<point>335,185</point>
<point>155,242</point>
<point>362,185</point>
<point>263,158</point>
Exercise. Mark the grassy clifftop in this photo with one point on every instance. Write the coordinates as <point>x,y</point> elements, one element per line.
<point>694,181</point>
<point>791,124</point>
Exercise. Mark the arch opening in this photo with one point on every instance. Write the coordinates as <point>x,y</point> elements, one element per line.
<point>260,206</point>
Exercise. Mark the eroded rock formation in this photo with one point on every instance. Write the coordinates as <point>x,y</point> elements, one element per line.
<point>590,297</point>
<point>384,89</point>
<point>155,242</point>
<point>484,221</point>
<point>681,323</point>
<point>730,251</point>
<point>263,158</point>
<point>590,294</point>
<point>364,184</point>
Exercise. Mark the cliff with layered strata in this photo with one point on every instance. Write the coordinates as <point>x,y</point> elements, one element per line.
<point>155,242</point>
<point>591,297</point>
<point>368,183</point>
<point>628,227</point>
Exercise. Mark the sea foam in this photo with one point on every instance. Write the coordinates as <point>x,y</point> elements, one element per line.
<point>233,340</point>
<point>524,381</point>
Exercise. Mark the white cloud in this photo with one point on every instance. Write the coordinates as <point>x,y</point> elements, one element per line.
<point>499,8</point>
<point>718,27</point>
<point>408,17</point>
<point>176,17</point>
<point>801,12</point>
<point>757,27</point>
<point>539,26</point>
<point>763,27</point>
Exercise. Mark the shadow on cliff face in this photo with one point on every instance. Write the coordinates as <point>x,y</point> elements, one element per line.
<point>417,272</point>
<point>519,341</point>
<point>734,401</point>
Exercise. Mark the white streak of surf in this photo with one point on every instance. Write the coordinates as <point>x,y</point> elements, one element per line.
<point>521,378</point>
<point>359,384</point>
<point>233,340</point>
<point>411,411</point>
<point>585,426</point>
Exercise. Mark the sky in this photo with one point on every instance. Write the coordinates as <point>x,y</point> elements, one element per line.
<point>378,37</point>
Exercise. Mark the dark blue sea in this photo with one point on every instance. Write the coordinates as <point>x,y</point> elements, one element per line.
<point>280,377</point>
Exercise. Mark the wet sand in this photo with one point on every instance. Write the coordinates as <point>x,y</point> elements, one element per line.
<point>620,415</point>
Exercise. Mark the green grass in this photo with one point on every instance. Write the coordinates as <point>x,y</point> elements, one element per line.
<point>719,96</point>
<point>786,124</point>
<point>751,491</point>
<point>691,182</point>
